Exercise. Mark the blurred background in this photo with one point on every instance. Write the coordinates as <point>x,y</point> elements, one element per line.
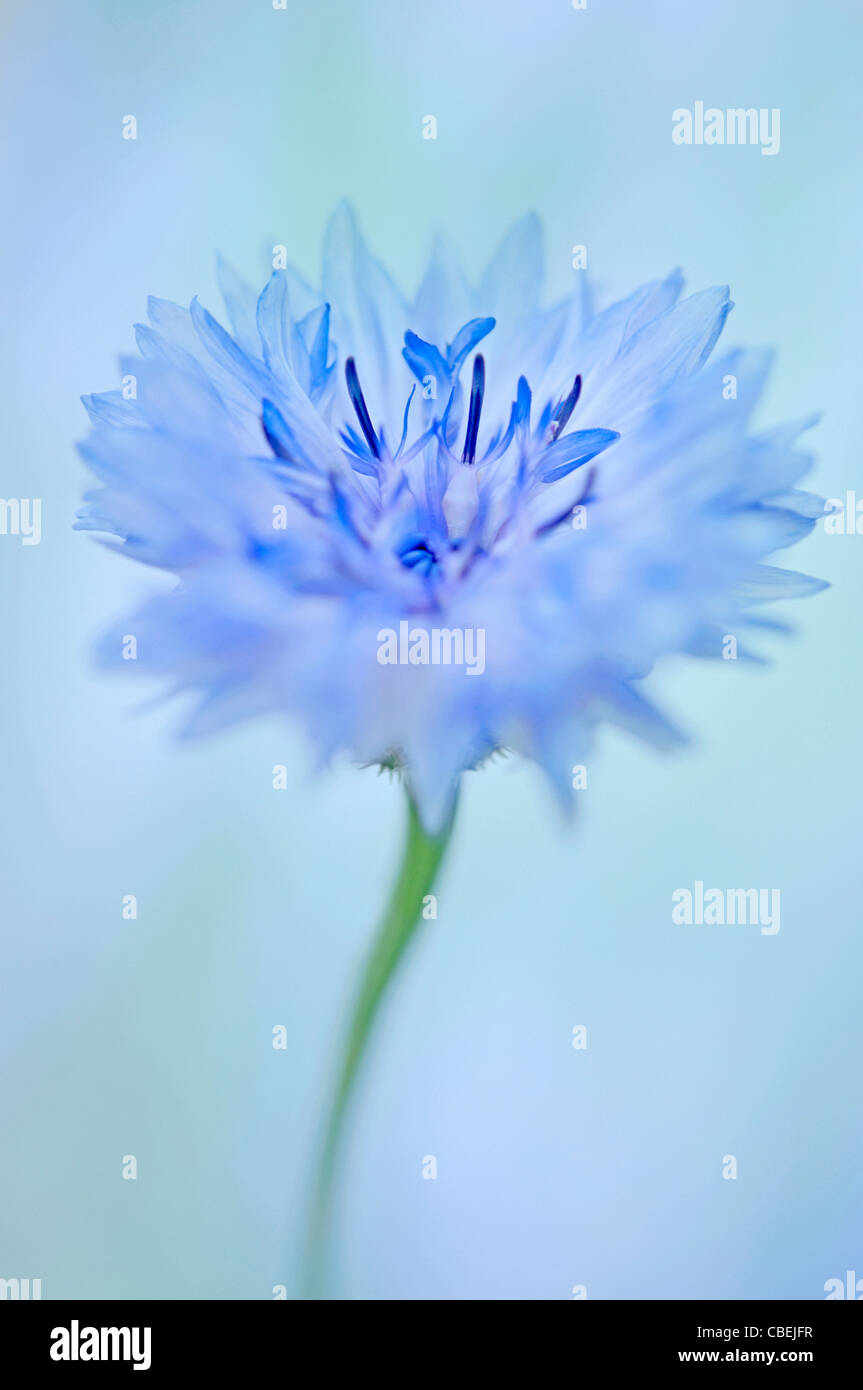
<point>153,1037</point>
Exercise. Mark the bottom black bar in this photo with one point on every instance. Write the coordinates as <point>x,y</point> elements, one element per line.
<point>72,1338</point>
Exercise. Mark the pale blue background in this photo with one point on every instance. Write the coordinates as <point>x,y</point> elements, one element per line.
<point>153,1037</point>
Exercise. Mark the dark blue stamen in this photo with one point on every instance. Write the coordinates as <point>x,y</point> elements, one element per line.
<point>565,409</point>
<point>477,390</point>
<point>359,404</point>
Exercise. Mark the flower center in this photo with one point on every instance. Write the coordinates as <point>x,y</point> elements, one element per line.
<point>417,554</point>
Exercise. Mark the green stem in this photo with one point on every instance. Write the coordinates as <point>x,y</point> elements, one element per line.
<point>419,865</point>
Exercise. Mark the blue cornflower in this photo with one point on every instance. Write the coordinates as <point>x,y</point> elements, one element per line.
<point>556,496</point>
<point>579,484</point>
